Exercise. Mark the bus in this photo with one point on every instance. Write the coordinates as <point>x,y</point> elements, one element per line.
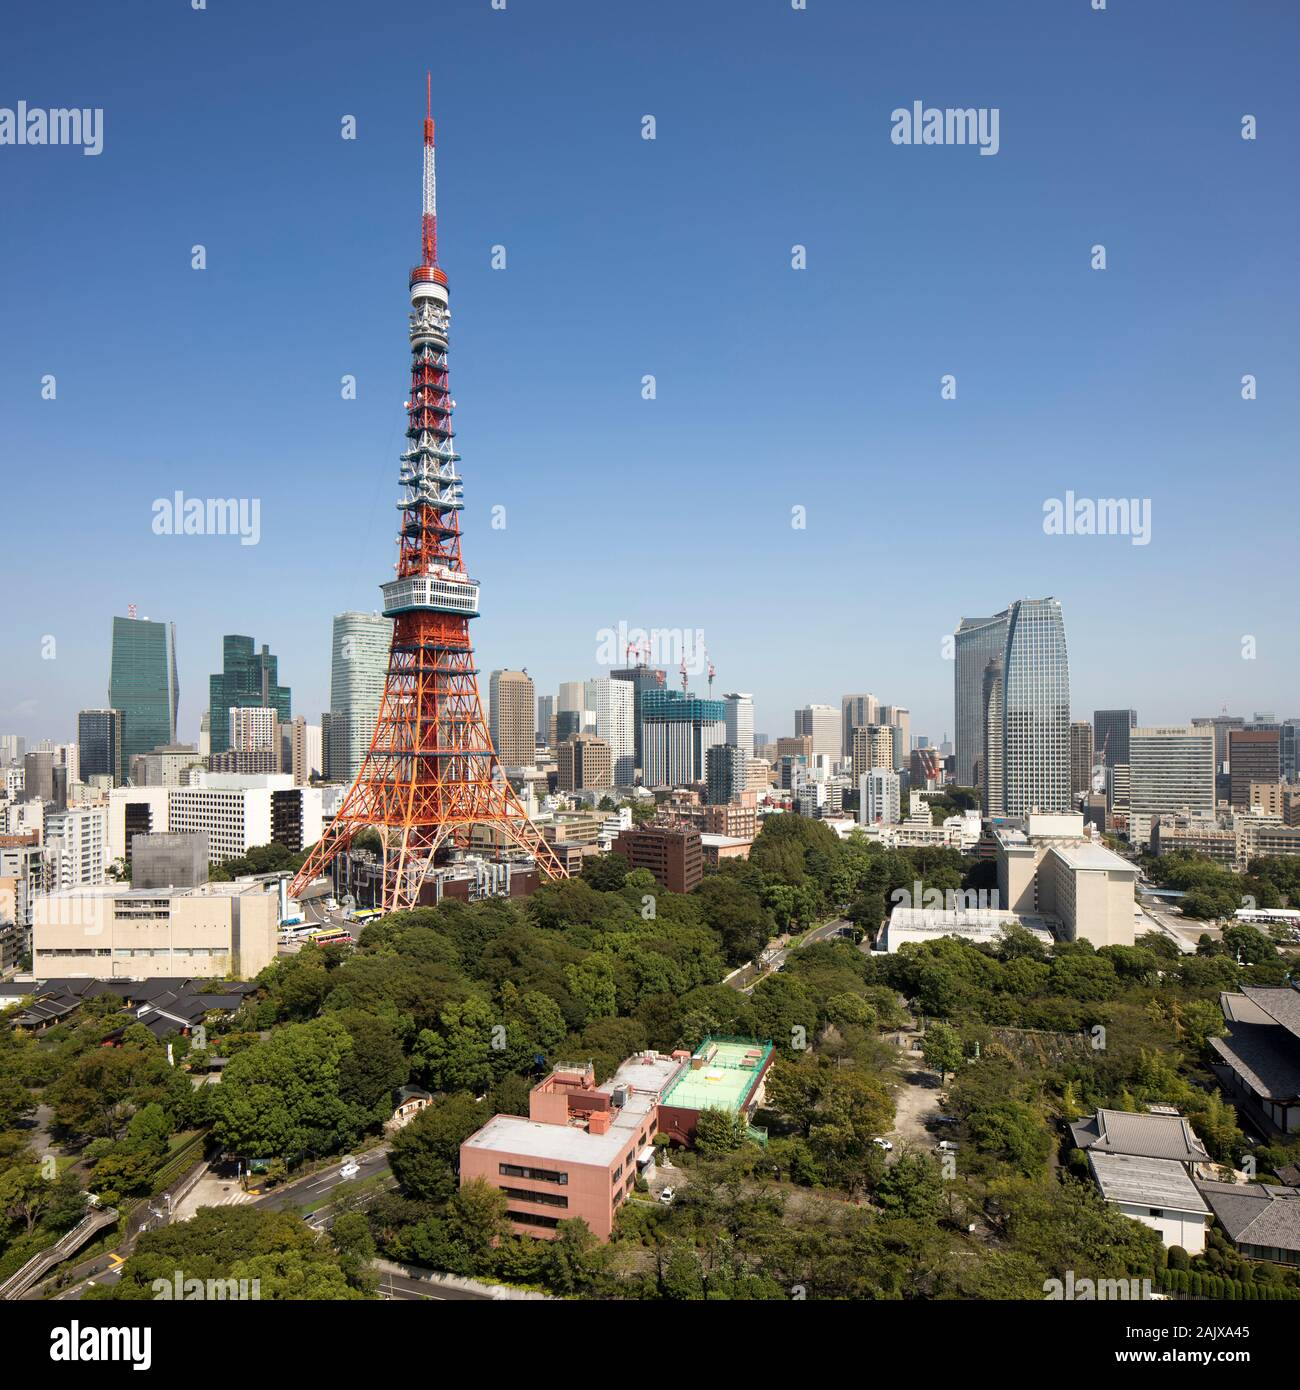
<point>367,914</point>
<point>328,936</point>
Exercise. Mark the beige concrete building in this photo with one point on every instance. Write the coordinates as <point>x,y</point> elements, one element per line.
<point>1052,869</point>
<point>873,746</point>
<point>218,930</point>
<point>1171,772</point>
<point>512,717</point>
<point>1266,798</point>
<point>585,762</point>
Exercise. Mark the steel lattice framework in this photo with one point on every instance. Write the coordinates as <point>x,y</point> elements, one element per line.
<point>431,774</point>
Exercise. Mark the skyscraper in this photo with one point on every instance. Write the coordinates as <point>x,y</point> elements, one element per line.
<point>642,679</point>
<point>512,717</point>
<point>1036,709</point>
<point>143,684</point>
<point>99,739</point>
<point>613,703</point>
<point>857,711</point>
<point>677,730</point>
<point>740,721</point>
<point>990,762</point>
<point>873,747</point>
<point>901,721</point>
<point>726,772</point>
<point>823,725</point>
<point>1110,734</point>
<point>248,679</point>
<point>545,713</point>
<point>975,642</point>
<point>1080,758</point>
<point>357,671</point>
<point>1254,755</point>
<point>584,763</point>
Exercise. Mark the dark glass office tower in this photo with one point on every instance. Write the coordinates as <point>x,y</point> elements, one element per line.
<point>249,679</point>
<point>143,685</point>
<point>1110,731</point>
<point>99,744</point>
<point>976,642</point>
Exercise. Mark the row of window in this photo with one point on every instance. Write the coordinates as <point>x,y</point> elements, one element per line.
<point>529,1218</point>
<point>515,1170</point>
<point>547,1199</point>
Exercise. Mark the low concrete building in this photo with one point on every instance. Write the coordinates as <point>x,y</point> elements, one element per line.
<point>978,925</point>
<point>221,930</point>
<point>1051,867</point>
<point>580,1149</point>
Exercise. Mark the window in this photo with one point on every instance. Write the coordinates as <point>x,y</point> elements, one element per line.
<point>1155,1211</point>
<point>529,1218</point>
<point>514,1170</point>
<point>548,1199</point>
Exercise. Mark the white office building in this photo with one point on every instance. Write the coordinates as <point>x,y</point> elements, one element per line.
<point>1170,771</point>
<point>740,721</point>
<point>612,702</point>
<point>358,669</point>
<point>824,725</point>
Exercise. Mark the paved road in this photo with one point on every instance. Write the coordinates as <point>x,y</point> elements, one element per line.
<point>308,1191</point>
<point>399,1287</point>
<point>1185,931</point>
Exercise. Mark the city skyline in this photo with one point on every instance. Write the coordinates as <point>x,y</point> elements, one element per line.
<point>1069,379</point>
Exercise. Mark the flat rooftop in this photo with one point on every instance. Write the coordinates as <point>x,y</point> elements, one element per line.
<point>1088,856</point>
<point>723,1082</point>
<point>516,1134</point>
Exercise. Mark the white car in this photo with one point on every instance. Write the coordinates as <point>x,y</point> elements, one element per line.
<point>883,1144</point>
<point>349,1170</point>
<point>667,1194</point>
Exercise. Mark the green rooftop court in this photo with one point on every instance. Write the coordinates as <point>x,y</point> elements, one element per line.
<point>725,1079</point>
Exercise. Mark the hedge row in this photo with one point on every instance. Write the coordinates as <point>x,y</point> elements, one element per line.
<point>1200,1285</point>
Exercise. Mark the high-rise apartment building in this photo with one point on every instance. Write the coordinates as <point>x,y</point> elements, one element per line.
<point>726,773</point>
<point>900,720</point>
<point>99,741</point>
<point>856,712</point>
<point>1254,755</point>
<point>143,685</point>
<point>1110,734</point>
<point>823,725</point>
<point>879,797</point>
<point>247,679</point>
<point>585,763</point>
<point>740,721</point>
<point>512,717</point>
<point>1170,770</point>
<point>359,666</point>
<point>302,755</point>
<point>1036,709</point>
<point>613,704</point>
<point>974,643</point>
<point>873,747</point>
<point>75,846</point>
<point>1080,758</point>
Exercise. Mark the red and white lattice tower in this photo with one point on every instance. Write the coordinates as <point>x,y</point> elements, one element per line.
<point>431,775</point>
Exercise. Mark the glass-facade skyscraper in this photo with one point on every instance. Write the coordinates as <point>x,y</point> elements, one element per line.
<point>1110,735</point>
<point>358,669</point>
<point>976,642</point>
<point>99,744</point>
<point>1036,709</point>
<point>248,679</point>
<point>143,685</point>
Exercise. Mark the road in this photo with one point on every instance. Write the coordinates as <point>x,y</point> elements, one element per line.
<point>307,1192</point>
<point>400,1287</point>
<point>825,932</point>
<point>1184,931</point>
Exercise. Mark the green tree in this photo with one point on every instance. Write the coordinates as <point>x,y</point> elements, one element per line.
<point>941,1047</point>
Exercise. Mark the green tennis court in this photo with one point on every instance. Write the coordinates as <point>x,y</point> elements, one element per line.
<point>724,1081</point>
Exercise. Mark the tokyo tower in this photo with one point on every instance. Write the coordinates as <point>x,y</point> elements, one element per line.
<point>431,774</point>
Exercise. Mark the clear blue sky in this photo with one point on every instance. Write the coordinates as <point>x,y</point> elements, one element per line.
<point>776,388</point>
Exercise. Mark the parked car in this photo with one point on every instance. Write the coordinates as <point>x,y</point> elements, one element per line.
<point>666,1195</point>
<point>883,1144</point>
<point>946,1146</point>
